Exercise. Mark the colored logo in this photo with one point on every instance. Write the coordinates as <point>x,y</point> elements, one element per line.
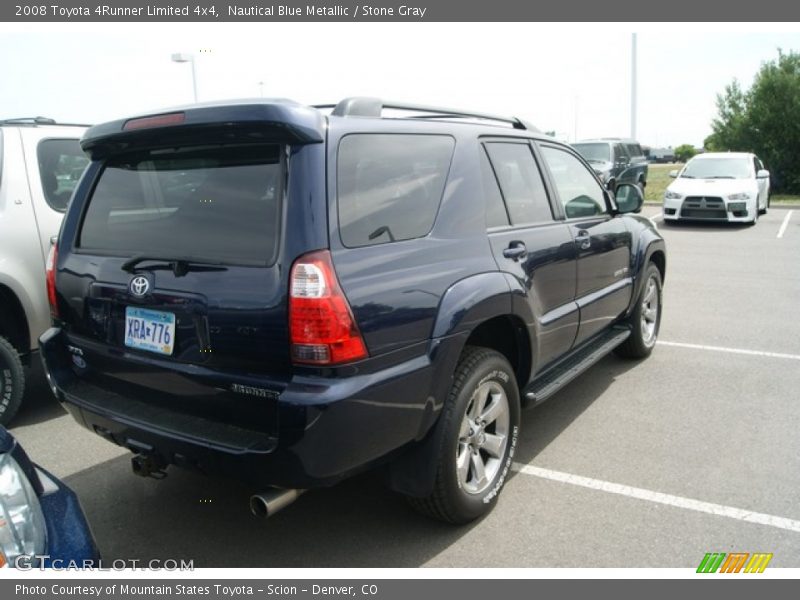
<point>735,562</point>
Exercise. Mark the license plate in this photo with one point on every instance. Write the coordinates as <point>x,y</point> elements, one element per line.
<point>149,330</point>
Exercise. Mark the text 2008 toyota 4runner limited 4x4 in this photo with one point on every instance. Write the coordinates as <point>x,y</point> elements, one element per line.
<point>289,297</point>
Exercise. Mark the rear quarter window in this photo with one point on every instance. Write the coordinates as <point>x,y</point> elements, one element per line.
<point>389,187</point>
<point>61,164</point>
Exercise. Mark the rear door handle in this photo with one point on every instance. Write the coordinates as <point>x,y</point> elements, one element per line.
<point>583,240</point>
<point>516,250</point>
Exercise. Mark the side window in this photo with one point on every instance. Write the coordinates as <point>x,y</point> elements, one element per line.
<point>496,215</point>
<point>520,182</point>
<point>389,186</point>
<point>577,188</point>
<point>634,150</point>
<point>619,155</point>
<point>61,163</point>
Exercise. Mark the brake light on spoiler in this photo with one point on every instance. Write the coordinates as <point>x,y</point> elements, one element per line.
<point>322,329</point>
<point>155,121</point>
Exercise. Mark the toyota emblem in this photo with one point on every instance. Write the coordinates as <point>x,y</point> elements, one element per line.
<point>139,286</point>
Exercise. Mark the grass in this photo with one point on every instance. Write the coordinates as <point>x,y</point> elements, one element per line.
<point>785,199</point>
<point>658,179</point>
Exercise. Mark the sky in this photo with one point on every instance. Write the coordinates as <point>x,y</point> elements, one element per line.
<point>574,79</point>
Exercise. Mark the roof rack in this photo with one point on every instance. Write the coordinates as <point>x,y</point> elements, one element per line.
<point>38,121</point>
<point>374,107</point>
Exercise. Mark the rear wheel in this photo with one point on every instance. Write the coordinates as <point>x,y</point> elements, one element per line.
<point>481,423</point>
<point>645,320</point>
<point>12,381</point>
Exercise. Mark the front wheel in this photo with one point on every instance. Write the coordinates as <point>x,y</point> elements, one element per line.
<point>756,212</point>
<point>645,320</point>
<point>480,423</point>
<point>12,381</point>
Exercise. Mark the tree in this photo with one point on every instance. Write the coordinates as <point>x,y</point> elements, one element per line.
<point>684,152</point>
<point>764,119</point>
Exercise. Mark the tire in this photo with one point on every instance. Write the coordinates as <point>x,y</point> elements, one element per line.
<point>12,381</point>
<point>645,320</point>
<point>612,186</point>
<point>640,184</point>
<point>483,386</point>
<point>763,211</point>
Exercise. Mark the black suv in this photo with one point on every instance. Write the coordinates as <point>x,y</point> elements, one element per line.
<point>615,160</point>
<point>268,291</point>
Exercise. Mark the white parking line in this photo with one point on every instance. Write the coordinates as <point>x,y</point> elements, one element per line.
<point>654,217</point>
<point>719,510</point>
<point>730,350</point>
<point>782,230</point>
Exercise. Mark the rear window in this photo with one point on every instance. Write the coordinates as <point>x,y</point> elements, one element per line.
<point>217,204</point>
<point>61,164</point>
<point>390,186</point>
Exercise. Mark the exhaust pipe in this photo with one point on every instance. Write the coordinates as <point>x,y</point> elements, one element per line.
<point>268,503</point>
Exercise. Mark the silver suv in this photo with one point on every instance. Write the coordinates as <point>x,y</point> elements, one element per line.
<point>40,164</point>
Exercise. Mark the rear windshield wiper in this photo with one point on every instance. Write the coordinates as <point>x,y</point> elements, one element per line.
<point>179,266</point>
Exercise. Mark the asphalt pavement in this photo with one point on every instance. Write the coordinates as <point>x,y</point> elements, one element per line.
<point>635,464</point>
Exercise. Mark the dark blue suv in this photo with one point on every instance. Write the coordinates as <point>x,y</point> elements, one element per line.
<point>290,295</point>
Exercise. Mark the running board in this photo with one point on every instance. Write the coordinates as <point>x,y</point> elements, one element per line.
<point>561,374</point>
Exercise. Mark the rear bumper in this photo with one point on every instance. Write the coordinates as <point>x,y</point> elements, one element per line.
<point>325,428</point>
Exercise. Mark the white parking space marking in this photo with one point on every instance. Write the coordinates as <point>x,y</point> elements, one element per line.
<point>654,217</point>
<point>782,230</point>
<point>730,350</point>
<point>719,510</point>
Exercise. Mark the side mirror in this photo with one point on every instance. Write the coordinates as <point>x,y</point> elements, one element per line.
<point>762,174</point>
<point>629,198</point>
<point>673,173</point>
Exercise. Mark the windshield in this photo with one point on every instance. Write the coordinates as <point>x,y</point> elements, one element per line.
<point>221,204</point>
<point>594,152</point>
<point>719,168</point>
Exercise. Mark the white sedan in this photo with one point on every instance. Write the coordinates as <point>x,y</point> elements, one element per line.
<point>719,186</point>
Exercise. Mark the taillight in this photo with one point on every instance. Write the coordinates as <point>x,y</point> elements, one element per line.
<point>50,269</point>
<point>322,329</point>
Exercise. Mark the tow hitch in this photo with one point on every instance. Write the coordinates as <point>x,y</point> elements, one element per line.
<point>147,465</point>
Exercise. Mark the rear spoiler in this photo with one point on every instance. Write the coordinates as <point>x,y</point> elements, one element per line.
<point>247,121</point>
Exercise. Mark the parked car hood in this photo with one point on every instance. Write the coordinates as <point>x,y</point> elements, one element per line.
<point>712,187</point>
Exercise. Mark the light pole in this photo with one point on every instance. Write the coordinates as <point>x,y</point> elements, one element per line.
<point>261,88</point>
<point>182,57</point>
<point>633,86</point>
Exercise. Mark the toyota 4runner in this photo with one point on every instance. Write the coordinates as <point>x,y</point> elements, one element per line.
<point>286,296</point>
